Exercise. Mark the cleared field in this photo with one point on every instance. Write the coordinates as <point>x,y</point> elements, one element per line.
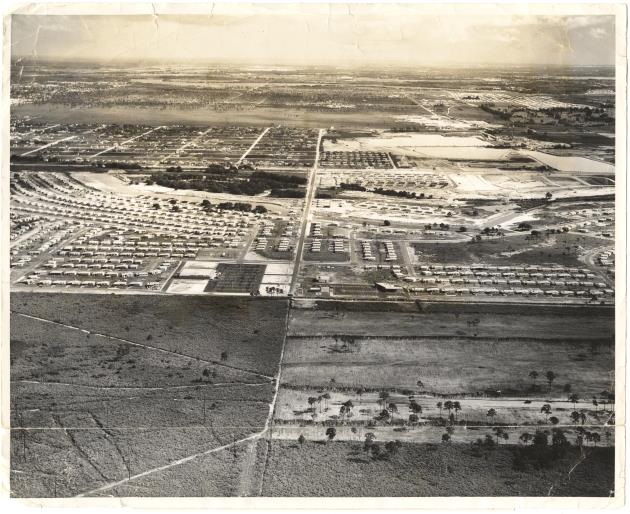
<point>127,408</point>
<point>537,322</point>
<point>450,366</point>
<point>343,469</point>
<point>552,249</point>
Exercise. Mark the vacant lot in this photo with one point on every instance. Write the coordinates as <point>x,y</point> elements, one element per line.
<point>201,327</point>
<point>520,249</point>
<point>174,378</point>
<point>453,321</point>
<point>450,365</point>
<point>343,469</point>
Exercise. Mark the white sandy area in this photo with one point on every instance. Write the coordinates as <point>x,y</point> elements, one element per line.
<point>187,286</point>
<point>568,163</point>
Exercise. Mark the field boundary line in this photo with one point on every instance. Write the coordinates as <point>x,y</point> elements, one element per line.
<point>272,405</point>
<point>141,388</point>
<point>178,462</point>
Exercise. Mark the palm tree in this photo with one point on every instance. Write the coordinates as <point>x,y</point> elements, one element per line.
<point>551,376</point>
<point>456,407</point>
<point>415,407</point>
<point>369,441</point>
<point>498,432</point>
<point>382,397</point>
<point>546,410</point>
<point>439,405</point>
<point>491,414</point>
<point>448,405</point>
<point>392,408</point>
<point>526,437</point>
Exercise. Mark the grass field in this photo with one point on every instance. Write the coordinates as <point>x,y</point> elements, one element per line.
<point>553,249</point>
<point>202,327</point>
<point>450,365</point>
<point>343,469</point>
<point>113,400</point>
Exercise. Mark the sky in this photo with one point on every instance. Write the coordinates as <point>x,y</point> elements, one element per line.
<point>378,35</point>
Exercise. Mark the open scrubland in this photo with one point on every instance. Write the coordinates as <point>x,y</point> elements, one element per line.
<point>180,382</point>
<point>345,469</point>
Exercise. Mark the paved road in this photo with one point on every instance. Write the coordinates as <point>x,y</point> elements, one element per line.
<point>306,215</point>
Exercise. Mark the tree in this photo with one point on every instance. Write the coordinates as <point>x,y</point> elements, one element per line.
<point>574,398</point>
<point>224,356</point>
<point>393,409</point>
<point>301,439</point>
<point>456,407</point>
<point>448,405</point>
<point>413,419</point>
<point>491,414</point>
<point>439,405</point>
<point>541,439</point>
<point>392,447</point>
<point>533,375</point>
<point>311,402</point>
<point>554,420</point>
<point>526,437</point>
<point>387,223</point>
<point>548,196</point>
<point>331,432</point>
<point>415,407</point>
<point>551,376</point>
<point>595,404</point>
<point>383,397</point>
<point>446,438</point>
<point>583,417</point>
<point>326,397</point>
<point>499,432</point>
<point>156,206</point>
<point>360,391</point>
<point>205,204</point>
<point>575,416</point>
<point>546,410</point>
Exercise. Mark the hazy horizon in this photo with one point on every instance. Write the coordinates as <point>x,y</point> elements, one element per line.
<point>364,38</point>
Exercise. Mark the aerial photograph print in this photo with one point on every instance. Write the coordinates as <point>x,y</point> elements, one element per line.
<point>325,251</point>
